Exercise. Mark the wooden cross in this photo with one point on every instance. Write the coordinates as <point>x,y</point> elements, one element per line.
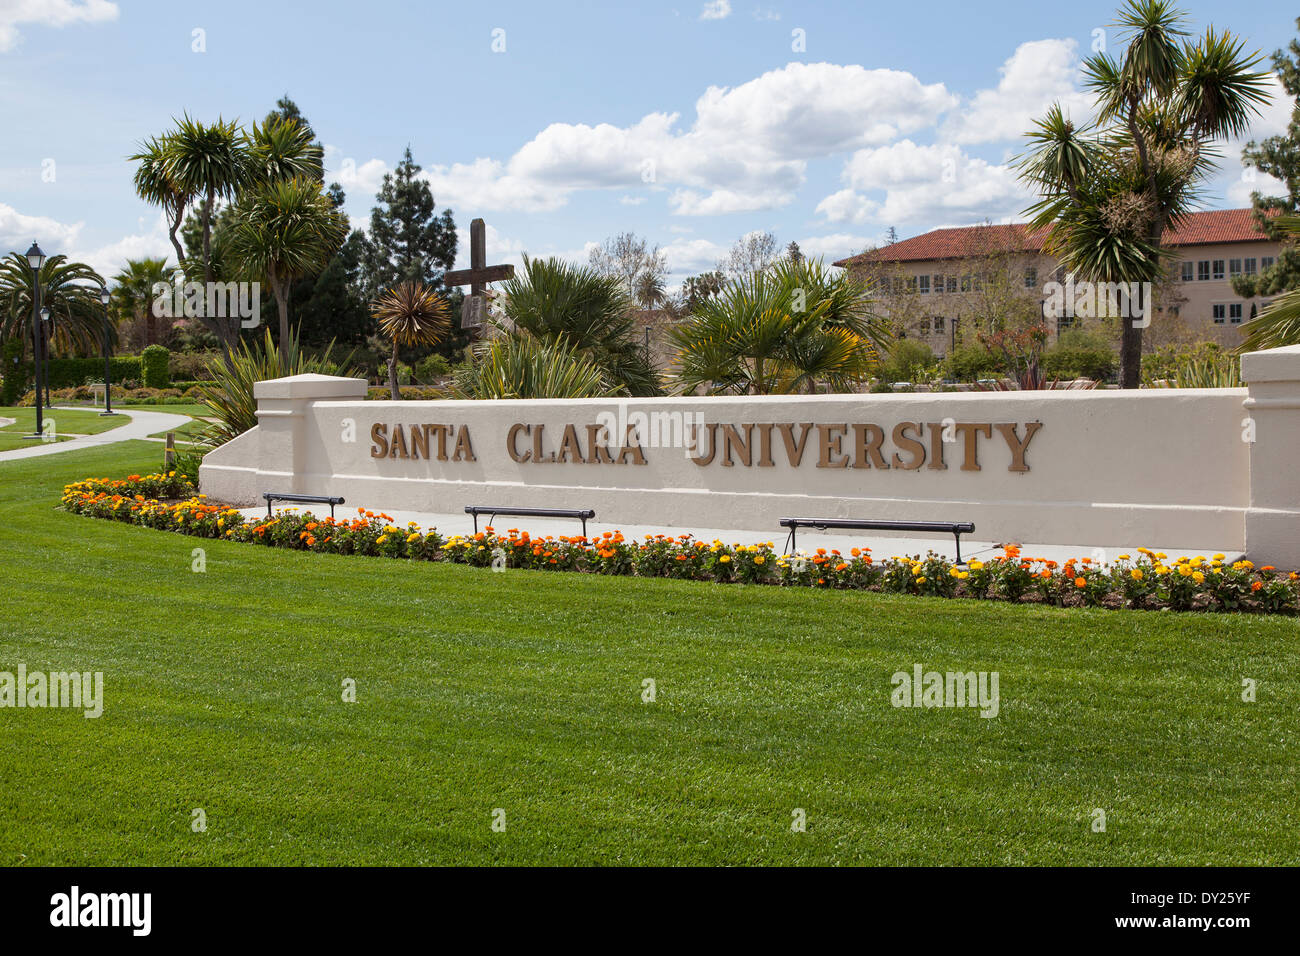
<point>473,313</point>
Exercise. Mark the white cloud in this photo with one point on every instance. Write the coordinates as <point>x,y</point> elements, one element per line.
<point>49,13</point>
<point>716,10</point>
<point>1038,74</point>
<point>364,178</point>
<point>17,232</point>
<point>922,184</point>
<point>747,149</point>
<point>837,245</point>
<point>631,200</point>
<point>1235,182</point>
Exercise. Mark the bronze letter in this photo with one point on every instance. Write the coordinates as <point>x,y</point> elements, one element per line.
<point>765,445</point>
<point>398,442</point>
<point>870,438</point>
<point>731,438</point>
<point>972,431</point>
<point>511,447</point>
<point>907,443</point>
<point>441,432</point>
<point>830,445</point>
<point>795,452</point>
<point>713,443</point>
<point>464,450</point>
<point>599,454</point>
<point>378,435</point>
<point>419,441</point>
<point>936,447</point>
<point>569,445</point>
<point>634,450</point>
<point>1018,447</point>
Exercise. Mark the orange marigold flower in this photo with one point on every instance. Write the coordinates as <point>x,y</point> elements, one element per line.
<point>1080,582</point>
<point>1257,585</point>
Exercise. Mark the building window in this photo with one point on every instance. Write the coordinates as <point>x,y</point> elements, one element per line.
<point>1031,278</point>
<point>1218,268</point>
<point>938,325</point>
<point>952,283</point>
<point>965,282</point>
<point>1265,263</point>
<point>1063,323</point>
<point>1234,267</point>
<point>938,283</point>
<point>911,283</point>
<point>1250,266</point>
<point>1188,269</point>
<point>1219,312</point>
<point>1234,313</point>
<point>1202,270</point>
<point>924,284</point>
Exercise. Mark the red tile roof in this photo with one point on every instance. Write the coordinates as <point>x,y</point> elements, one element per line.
<point>1199,228</point>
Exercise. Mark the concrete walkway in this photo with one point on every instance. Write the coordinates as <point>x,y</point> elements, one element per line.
<point>140,426</point>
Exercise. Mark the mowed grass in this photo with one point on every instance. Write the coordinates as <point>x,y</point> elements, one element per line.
<point>66,423</point>
<point>523,692</point>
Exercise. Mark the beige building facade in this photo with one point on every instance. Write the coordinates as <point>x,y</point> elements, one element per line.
<point>943,283</point>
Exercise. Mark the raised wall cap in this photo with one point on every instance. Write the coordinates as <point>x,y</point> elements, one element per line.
<point>1272,365</point>
<point>310,386</point>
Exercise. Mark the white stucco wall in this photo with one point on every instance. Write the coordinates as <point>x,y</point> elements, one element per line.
<point>1167,468</point>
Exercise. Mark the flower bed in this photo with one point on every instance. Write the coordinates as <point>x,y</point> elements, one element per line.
<point>1151,580</point>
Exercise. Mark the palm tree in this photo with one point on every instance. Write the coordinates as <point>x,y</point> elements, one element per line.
<point>283,149</point>
<point>1279,324</point>
<point>70,290</point>
<point>593,313</point>
<point>133,293</point>
<point>524,366</point>
<point>155,186</point>
<point>793,328</point>
<point>207,162</point>
<point>412,313</point>
<point>1111,190</point>
<point>282,231</point>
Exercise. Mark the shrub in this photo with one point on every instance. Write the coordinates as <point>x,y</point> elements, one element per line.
<point>906,361</point>
<point>970,363</point>
<point>1079,362</point>
<point>432,368</point>
<point>15,373</point>
<point>190,366</point>
<point>153,366</point>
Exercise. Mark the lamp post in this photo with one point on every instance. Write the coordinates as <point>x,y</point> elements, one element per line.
<point>47,337</point>
<point>104,297</point>
<point>36,259</point>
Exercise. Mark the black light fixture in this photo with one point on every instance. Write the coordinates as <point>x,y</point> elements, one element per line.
<point>36,259</point>
<point>47,340</point>
<point>105,297</point>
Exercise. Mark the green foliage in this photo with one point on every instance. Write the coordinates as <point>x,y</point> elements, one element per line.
<point>970,363</point>
<point>525,366</point>
<point>71,372</point>
<point>906,361</point>
<point>15,372</point>
<point>406,242</point>
<point>1080,354</point>
<point>154,371</point>
<point>1279,157</point>
<point>1279,324</point>
<point>578,309</point>
<point>795,327</point>
<point>70,290</point>
<point>1203,365</point>
<point>229,396</point>
<point>432,367</point>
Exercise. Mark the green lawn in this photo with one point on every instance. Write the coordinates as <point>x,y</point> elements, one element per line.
<point>194,411</point>
<point>522,691</point>
<point>66,423</point>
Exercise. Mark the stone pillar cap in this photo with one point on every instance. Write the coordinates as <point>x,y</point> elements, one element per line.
<point>310,386</point>
<point>1272,365</point>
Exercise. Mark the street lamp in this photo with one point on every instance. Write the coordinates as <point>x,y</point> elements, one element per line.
<point>36,259</point>
<point>104,297</point>
<point>47,339</point>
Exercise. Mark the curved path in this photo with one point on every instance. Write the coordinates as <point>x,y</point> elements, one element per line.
<point>141,425</point>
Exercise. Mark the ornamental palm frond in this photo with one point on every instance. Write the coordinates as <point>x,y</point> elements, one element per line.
<point>1279,324</point>
<point>1109,193</point>
<point>525,366</point>
<point>133,294</point>
<point>282,231</point>
<point>411,313</point>
<point>70,290</point>
<point>283,149</point>
<point>553,299</point>
<point>207,162</point>
<point>155,186</point>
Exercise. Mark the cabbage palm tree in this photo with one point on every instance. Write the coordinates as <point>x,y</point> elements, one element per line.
<point>1110,190</point>
<point>1279,324</point>
<point>411,313</point>
<point>207,162</point>
<point>155,186</point>
<point>524,366</point>
<point>282,231</point>
<point>70,290</point>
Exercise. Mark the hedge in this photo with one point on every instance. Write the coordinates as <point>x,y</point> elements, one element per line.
<point>153,367</point>
<point>71,372</point>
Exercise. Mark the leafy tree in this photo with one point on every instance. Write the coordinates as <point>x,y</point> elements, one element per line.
<point>330,307</point>
<point>406,241</point>
<point>639,266</point>
<point>410,314</point>
<point>285,230</point>
<point>750,253</point>
<point>1109,191</point>
<point>1279,324</point>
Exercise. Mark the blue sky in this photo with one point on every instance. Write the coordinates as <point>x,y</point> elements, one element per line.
<point>690,124</point>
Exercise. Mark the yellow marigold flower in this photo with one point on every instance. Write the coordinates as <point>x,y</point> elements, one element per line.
<point>920,580</point>
<point>975,565</point>
<point>412,537</point>
<point>725,559</point>
<point>1220,557</point>
<point>1198,577</point>
<point>760,559</point>
<point>1122,557</point>
<point>381,539</point>
<point>1136,574</point>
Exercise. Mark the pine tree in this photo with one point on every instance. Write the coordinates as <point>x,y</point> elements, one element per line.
<point>406,241</point>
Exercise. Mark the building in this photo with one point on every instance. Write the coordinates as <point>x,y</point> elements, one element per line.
<point>947,280</point>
